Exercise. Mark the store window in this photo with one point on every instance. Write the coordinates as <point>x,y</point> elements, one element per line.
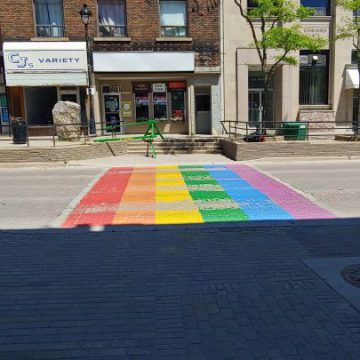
<point>112,18</point>
<point>320,7</point>
<point>251,4</point>
<point>355,105</point>
<point>49,18</point>
<point>354,57</point>
<point>173,18</point>
<point>314,74</point>
<point>39,104</point>
<point>141,91</point>
<point>159,95</point>
<point>177,93</point>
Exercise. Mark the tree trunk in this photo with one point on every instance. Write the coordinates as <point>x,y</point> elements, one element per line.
<point>265,119</point>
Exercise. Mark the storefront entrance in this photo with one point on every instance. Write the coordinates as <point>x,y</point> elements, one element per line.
<point>203,111</point>
<point>112,109</point>
<point>256,104</point>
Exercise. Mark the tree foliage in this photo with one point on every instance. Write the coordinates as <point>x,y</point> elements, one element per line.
<point>279,29</point>
<point>350,27</point>
<point>274,25</point>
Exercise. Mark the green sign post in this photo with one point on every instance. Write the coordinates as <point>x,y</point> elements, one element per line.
<point>151,133</point>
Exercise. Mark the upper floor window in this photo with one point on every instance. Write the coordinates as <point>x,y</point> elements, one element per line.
<point>173,18</point>
<point>112,17</point>
<point>320,7</point>
<point>49,18</point>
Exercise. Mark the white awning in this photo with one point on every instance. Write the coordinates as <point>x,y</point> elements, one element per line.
<point>45,63</point>
<point>144,61</point>
<point>352,79</point>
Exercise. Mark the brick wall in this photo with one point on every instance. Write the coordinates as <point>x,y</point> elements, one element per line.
<point>17,23</point>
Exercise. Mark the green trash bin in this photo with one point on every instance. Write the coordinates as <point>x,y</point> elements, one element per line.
<point>295,130</point>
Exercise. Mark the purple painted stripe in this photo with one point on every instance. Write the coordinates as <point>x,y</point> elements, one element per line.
<point>297,205</point>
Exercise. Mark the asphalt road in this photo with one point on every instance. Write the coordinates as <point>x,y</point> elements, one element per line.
<point>36,197</point>
<point>334,185</point>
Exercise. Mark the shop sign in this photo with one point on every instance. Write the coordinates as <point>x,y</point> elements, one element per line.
<point>45,63</point>
<point>159,87</point>
<point>316,31</point>
<point>126,108</point>
<point>31,60</point>
<point>142,87</point>
<point>177,85</point>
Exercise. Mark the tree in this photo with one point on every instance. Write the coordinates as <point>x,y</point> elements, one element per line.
<point>274,25</point>
<point>351,30</point>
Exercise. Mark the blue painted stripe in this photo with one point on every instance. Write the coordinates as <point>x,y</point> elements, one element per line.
<point>252,201</point>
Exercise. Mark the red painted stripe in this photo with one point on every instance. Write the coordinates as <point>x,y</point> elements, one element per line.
<point>99,205</point>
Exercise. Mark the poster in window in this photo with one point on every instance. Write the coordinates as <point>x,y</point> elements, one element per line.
<point>178,104</point>
<point>142,105</point>
<point>141,98</point>
<point>159,98</point>
<point>111,103</point>
<point>159,87</point>
<point>126,108</point>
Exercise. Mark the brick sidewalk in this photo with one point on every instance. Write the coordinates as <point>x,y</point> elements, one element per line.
<point>187,293</point>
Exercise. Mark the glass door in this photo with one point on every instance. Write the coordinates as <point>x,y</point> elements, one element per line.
<point>255,105</point>
<point>112,106</point>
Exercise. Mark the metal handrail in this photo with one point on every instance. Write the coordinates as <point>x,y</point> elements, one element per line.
<point>241,129</point>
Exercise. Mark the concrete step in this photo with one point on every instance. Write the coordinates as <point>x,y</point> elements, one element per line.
<point>175,147</point>
<point>161,151</point>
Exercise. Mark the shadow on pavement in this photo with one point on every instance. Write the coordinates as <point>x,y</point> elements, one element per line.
<point>209,291</point>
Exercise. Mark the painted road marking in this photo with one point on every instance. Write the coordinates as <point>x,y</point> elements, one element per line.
<point>189,194</point>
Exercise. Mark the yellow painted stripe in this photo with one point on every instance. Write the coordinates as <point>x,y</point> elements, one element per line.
<point>190,212</point>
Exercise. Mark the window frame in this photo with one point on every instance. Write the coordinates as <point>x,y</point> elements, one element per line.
<point>99,24</point>
<point>62,27</point>
<point>328,9</point>
<point>327,54</point>
<point>186,21</point>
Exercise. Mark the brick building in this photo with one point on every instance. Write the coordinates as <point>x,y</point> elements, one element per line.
<point>151,59</point>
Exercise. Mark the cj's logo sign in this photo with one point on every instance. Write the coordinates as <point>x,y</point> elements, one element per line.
<point>21,61</point>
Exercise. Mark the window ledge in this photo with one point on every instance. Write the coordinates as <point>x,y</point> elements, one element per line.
<point>317,19</point>
<point>315,108</point>
<point>113,38</point>
<point>49,39</point>
<point>174,39</point>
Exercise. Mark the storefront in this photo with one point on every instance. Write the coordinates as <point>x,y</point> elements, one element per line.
<point>4,110</point>
<point>38,74</point>
<point>352,89</point>
<point>134,87</point>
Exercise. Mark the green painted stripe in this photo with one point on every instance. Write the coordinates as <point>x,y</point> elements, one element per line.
<point>223,215</point>
<point>224,208</point>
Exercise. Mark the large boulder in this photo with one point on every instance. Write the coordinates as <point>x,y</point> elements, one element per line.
<point>67,119</point>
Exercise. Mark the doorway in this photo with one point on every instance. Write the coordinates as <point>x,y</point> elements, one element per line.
<point>112,109</point>
<point>203,111</point>
<point>256,104</point>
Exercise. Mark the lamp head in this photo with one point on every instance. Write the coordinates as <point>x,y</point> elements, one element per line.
<point>85,14</point>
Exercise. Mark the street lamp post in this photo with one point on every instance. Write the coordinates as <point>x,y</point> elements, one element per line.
<point>86,14</point>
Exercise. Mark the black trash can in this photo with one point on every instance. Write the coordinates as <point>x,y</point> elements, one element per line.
<point>19,133</point>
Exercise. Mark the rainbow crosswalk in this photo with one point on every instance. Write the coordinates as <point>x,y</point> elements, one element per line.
<point>187,194</point>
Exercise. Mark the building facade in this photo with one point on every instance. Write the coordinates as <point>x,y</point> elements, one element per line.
<point>150,59</point>
<point>320,88</point>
